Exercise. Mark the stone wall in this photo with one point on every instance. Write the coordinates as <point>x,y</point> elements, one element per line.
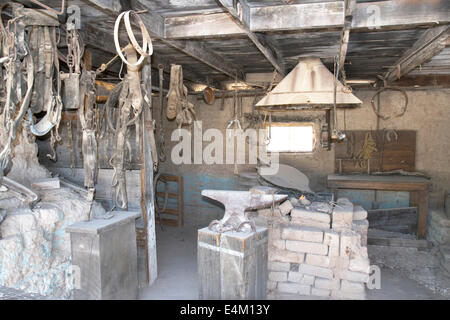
<point>439,233</point>
<point>317,249</point>
<point>35,253</point>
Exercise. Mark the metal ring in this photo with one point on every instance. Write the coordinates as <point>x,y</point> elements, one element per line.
<point>145,36</point>
<point>117,44</point>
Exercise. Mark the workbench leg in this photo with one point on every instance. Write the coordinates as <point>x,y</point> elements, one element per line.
<point>422,214</point>
<point>414,199</point>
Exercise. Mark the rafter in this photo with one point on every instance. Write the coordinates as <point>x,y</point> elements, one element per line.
<point>240,14</point>
<point>91,34</point>
<point>155,26</point>
<point>429,44</point>
<point>349,7</point>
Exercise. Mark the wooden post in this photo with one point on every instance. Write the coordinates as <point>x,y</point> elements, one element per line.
<point>87,60</point>
<point>147,192</point>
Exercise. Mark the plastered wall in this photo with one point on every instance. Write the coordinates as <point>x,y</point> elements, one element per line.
<point>428,114</point>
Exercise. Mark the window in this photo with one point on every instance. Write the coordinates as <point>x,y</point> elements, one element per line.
<point>291,137</point>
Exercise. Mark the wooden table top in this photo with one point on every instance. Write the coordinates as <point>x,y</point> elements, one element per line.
<point>368,182</point>
<point>378,178</point>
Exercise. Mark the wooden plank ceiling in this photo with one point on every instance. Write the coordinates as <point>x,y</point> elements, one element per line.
<point>202,36</point>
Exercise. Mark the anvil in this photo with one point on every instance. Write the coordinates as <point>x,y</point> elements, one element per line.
<point>236,202</point>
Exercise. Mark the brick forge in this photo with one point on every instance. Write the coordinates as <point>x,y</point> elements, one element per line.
<point>312,252</point>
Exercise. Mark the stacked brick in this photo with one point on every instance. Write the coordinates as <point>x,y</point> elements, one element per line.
<point>439,233</point>
<point>318,253</point>
<point>438,227</point>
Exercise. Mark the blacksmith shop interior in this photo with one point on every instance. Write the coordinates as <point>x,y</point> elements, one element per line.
<point>225,149</point>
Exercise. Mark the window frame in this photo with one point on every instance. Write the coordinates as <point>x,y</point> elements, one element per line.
<point>294,124</point>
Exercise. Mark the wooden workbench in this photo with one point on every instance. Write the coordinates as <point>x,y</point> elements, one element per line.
<point>417,186</point>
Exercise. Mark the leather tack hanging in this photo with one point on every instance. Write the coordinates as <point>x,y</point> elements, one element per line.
<point>86,115</point>
<point>15,54</point>
<point>129,98</point>
<point>178,106</point>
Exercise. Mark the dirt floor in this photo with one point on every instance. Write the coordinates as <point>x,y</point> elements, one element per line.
<point>177,273</point>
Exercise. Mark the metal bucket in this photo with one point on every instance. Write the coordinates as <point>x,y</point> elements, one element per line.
<point>71,92</point>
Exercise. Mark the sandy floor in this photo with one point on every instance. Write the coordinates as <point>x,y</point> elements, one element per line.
<point>177,273</point>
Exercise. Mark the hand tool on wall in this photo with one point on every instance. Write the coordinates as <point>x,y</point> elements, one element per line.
<point>161,152</point>
<point>236,125</point>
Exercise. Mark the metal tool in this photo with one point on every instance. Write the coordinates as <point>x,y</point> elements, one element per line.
<point>24,193</point>
<point>161,153</point>
<point>236,202</point>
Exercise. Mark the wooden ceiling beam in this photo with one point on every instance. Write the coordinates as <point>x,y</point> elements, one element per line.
<point>91,36</point>
<point>155,26</point>
<point>427,46</point>
<point>241,16</point>
<point>349,7</point>
<point>424,81</point>
<point>376,16</point>
<point>400,14</point>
